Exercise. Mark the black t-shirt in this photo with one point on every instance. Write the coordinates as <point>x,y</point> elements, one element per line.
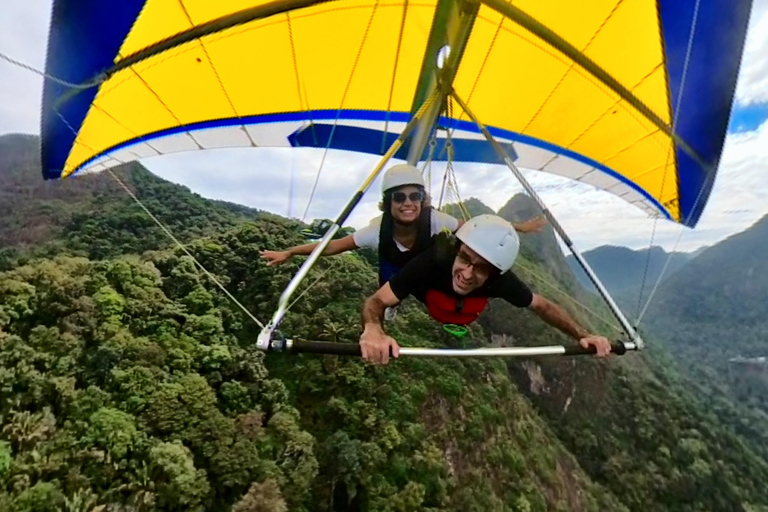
<point>428,272</point>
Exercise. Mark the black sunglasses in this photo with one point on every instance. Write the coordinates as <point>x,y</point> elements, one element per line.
<point>399,197</point>
<point>479,267</point>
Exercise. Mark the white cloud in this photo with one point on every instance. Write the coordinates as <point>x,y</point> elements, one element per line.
<point>752,86</point>
<point>23,36</point>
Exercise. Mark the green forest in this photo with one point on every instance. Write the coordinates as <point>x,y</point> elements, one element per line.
<point>130,382</point>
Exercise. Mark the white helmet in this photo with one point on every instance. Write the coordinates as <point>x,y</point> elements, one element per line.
<point>493,238</point>
<point>399,175</point>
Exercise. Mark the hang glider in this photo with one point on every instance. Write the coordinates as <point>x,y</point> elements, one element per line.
<point>632,97</point>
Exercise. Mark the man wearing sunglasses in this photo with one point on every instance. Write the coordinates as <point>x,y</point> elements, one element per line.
<point>404,230</point>
<point>456,279</point>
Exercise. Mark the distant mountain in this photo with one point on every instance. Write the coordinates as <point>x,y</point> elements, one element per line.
<point>473,206</point>
<point>699,251</point>
<point>34,211</point>
<point>714,309</point>
<point>635,412</point>
<point>541,247</point>
<point>623,270</point>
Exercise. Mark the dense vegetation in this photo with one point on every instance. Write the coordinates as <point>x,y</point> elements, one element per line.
<point>116,394</point>
<point>129,382</point>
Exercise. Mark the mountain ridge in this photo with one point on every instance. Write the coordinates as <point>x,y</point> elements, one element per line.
<point>625,271</point>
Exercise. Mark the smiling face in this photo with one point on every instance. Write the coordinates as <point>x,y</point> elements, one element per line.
<point>406,204</point>
<point>470,271</point>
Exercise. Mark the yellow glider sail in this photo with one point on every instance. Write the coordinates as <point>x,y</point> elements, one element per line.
<point>357,65</point>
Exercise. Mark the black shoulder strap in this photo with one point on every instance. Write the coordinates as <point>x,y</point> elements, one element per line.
<point>386,241</point>
<point>424,236</point>
<point>445,247</point>
<point>388,250</point>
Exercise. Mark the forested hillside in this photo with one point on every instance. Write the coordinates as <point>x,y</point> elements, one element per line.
<point>92,215</point>
<point>130,382</point>
<point>712,312</point>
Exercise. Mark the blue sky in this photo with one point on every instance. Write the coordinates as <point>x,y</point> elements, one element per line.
<point>591,217</point>
<point>747,118</point>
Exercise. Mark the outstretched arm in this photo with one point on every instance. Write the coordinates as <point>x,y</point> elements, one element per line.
<point>374,342</point>
<point>533,225</point>
<point>334,247</point>
<point>555,316</point>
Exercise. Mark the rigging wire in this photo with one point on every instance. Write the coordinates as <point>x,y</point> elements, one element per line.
<point>647,261</point>
<point>450,185</point>
<point>442,191</point>
<point>669,155</point>
<point>704,185</point>
<point>142,206</point>
<point>394,76</point>
<point>95,83</point>
<point>427,167</point>
<point>87,85</point>
<point>452,182</point>
<point>184,249</point>
<point>290,184</point>
<point>316,281</point>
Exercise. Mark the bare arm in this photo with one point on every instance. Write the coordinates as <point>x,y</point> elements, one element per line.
<point>533,225</point>
<point>374,342</point>
<point>555,316</point>
<point>334,247</point>
<point>373,309</point>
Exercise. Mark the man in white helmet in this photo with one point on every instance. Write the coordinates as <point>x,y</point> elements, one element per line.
<point>404,229</point>
<point>456,282</point>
